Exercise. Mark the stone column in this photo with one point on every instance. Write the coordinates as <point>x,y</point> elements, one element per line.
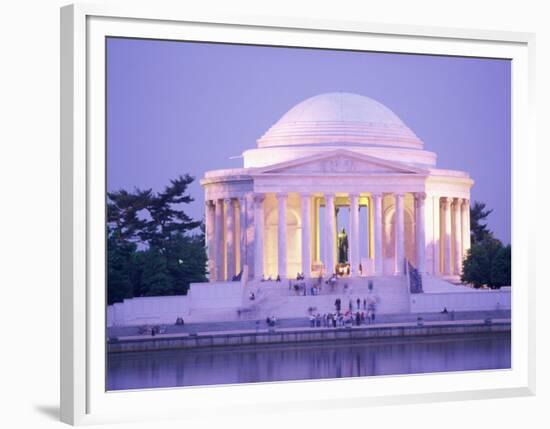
<point>250,234</point>
<point>242,232</point>
<point>330,230</point>
<point>230,238</point>
<point>399,234</point>
<point>210,220</point>
<point>219,252</point>
<point>457,236</point>
<point>281,235</point>
<point>355,258</point>
<point>305,205</point>
<point>378,257</point>
<point>316,231</point>
<point>420,197</point>
<point>436,236</point>
<point>259,235</point>
<point>465,226</point>
<point>446,205</point>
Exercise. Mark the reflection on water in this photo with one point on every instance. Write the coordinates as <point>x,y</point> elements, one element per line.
<point>307,361</point>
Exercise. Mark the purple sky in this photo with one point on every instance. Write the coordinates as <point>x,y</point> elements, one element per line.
<point>177,107</point>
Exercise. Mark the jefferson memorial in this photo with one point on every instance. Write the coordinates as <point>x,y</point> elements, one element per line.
<point>275,229</point>
<point>337,152</point>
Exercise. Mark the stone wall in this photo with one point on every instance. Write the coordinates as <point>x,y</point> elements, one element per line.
<point>302,336</point>
<point>461,301</point>
<point>147,310</point>
<point>209,298</point>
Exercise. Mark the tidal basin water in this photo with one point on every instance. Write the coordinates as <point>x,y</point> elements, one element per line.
<point>249,364</point>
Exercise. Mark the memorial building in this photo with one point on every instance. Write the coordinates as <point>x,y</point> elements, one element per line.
<point>345,154</point>
<point>338,202</point>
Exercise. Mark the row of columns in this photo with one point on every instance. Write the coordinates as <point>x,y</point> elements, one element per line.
<point>456,217</point>
<point>251,239</point>
<point>221,239</point>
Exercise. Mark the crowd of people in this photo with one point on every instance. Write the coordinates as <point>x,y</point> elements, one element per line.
<point>340,319</point>
<point>358,313</point>
<point>300,286</point>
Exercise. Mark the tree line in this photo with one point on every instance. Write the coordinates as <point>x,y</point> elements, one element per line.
<point>488,262</point>
<point>153,246</point>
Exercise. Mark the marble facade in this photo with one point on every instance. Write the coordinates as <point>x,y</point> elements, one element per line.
<point>277,214</point>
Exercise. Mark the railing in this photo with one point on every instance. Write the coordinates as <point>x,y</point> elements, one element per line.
<point>415,279</point>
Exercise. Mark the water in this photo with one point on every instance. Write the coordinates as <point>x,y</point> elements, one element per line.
<point>250,364</point>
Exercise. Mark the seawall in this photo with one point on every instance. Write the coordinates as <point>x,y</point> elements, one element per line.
<point>301,335</point>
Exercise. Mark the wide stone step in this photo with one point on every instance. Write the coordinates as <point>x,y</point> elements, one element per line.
<point>281,300</point>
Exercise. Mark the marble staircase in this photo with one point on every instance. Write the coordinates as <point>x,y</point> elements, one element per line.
<point>279,299</point>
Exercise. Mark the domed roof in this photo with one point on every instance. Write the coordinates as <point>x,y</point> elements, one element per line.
<point>343,118</point>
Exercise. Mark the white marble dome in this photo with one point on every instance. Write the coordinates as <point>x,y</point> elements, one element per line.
<point>340,118</point>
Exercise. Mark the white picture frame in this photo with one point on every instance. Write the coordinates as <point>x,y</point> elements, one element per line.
<point>83,396</point>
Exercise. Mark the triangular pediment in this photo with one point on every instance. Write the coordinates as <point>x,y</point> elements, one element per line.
<point>338,163</point>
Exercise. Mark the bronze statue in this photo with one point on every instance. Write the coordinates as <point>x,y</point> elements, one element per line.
<point>343,247</point>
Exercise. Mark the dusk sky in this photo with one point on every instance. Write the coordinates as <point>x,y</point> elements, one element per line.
<point>179,107</point>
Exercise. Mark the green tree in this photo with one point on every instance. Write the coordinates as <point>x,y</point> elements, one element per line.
<point>478,227</point>
<point>120,255</point>
<point>476,268</point>
<point>186,261</point>
<point>492,246</point>
<point>123,213</point>
<point>488,263</point>
<point>152,246</point>
<point>124,227</point>
<point>501,267</point>
<point>154,276</point>
<point>167,216</point>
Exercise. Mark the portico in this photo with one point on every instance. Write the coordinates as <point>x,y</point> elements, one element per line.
<point>278,214</point>
<point>295,239</point>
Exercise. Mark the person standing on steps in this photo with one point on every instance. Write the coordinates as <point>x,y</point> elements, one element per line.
<point>373,313</point>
